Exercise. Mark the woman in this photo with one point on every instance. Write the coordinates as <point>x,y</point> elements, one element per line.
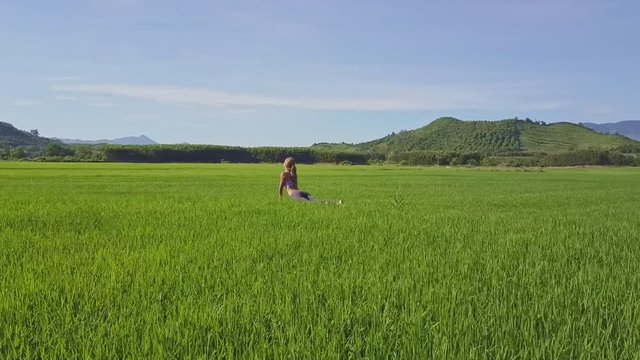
<point>289,179</point>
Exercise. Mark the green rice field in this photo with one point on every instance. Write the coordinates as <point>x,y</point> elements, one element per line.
<point>201,261</point>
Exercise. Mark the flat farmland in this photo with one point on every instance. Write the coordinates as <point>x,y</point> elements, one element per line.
<point>203,261</point>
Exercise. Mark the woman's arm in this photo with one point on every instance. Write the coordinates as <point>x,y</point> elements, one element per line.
<point>282,175</point>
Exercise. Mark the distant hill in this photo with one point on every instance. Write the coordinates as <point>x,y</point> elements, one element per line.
<point>628,128</point>
<point>11,137</point>
<point>129,140</point>
<point>492,137</point>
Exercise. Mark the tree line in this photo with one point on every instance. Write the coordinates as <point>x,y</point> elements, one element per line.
<point>311,155</point>
<point>516,158</point>
<point>232,154</point>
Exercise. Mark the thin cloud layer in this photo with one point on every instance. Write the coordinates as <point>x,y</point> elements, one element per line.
<point>425,99</point>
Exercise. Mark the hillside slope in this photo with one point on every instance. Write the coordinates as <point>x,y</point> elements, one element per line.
<point>497,137</point>
<point>561,137</point>
<point>11,137</point>
<point>449,134</point>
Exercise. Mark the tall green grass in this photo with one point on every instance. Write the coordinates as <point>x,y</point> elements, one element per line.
<point>203,261</point>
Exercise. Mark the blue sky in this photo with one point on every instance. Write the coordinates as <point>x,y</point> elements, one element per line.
<point>295,72</point>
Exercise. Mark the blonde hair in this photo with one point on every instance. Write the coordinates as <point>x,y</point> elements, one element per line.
<point>294,171</point>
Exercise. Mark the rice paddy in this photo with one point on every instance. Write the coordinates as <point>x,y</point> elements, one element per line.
<point>203,261</point>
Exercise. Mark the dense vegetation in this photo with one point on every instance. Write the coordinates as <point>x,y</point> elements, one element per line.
<point>567,137</point>
<point>452,135</point>
<point>18,144</point>
<point>449,141</point>
<point>445,141</point>
<point>505,137</point>
<point>200,261</point>
<point>216,154</point>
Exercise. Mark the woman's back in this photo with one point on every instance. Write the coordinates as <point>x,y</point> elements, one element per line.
<point>290,180</point>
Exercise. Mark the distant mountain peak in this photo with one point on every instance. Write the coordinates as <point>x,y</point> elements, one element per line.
<point>127,140</point>
<point>628,128</point>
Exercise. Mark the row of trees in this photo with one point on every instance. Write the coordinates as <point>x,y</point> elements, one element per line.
<point>216,154</point>
<point>52,152</point>
<point>573,158</point>
<point>220,154</point>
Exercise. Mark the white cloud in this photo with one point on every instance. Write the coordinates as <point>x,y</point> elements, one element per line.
<point>433,98</point>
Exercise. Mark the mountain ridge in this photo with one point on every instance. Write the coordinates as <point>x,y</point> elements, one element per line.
<point>628,128</point>
<point>127,140</point>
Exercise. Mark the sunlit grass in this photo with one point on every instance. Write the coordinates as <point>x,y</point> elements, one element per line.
<point>201,261</point>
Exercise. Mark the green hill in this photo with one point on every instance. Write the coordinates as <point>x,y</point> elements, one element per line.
<point>496,137</point>
<point>11,137</point>
<point>561,137</point>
